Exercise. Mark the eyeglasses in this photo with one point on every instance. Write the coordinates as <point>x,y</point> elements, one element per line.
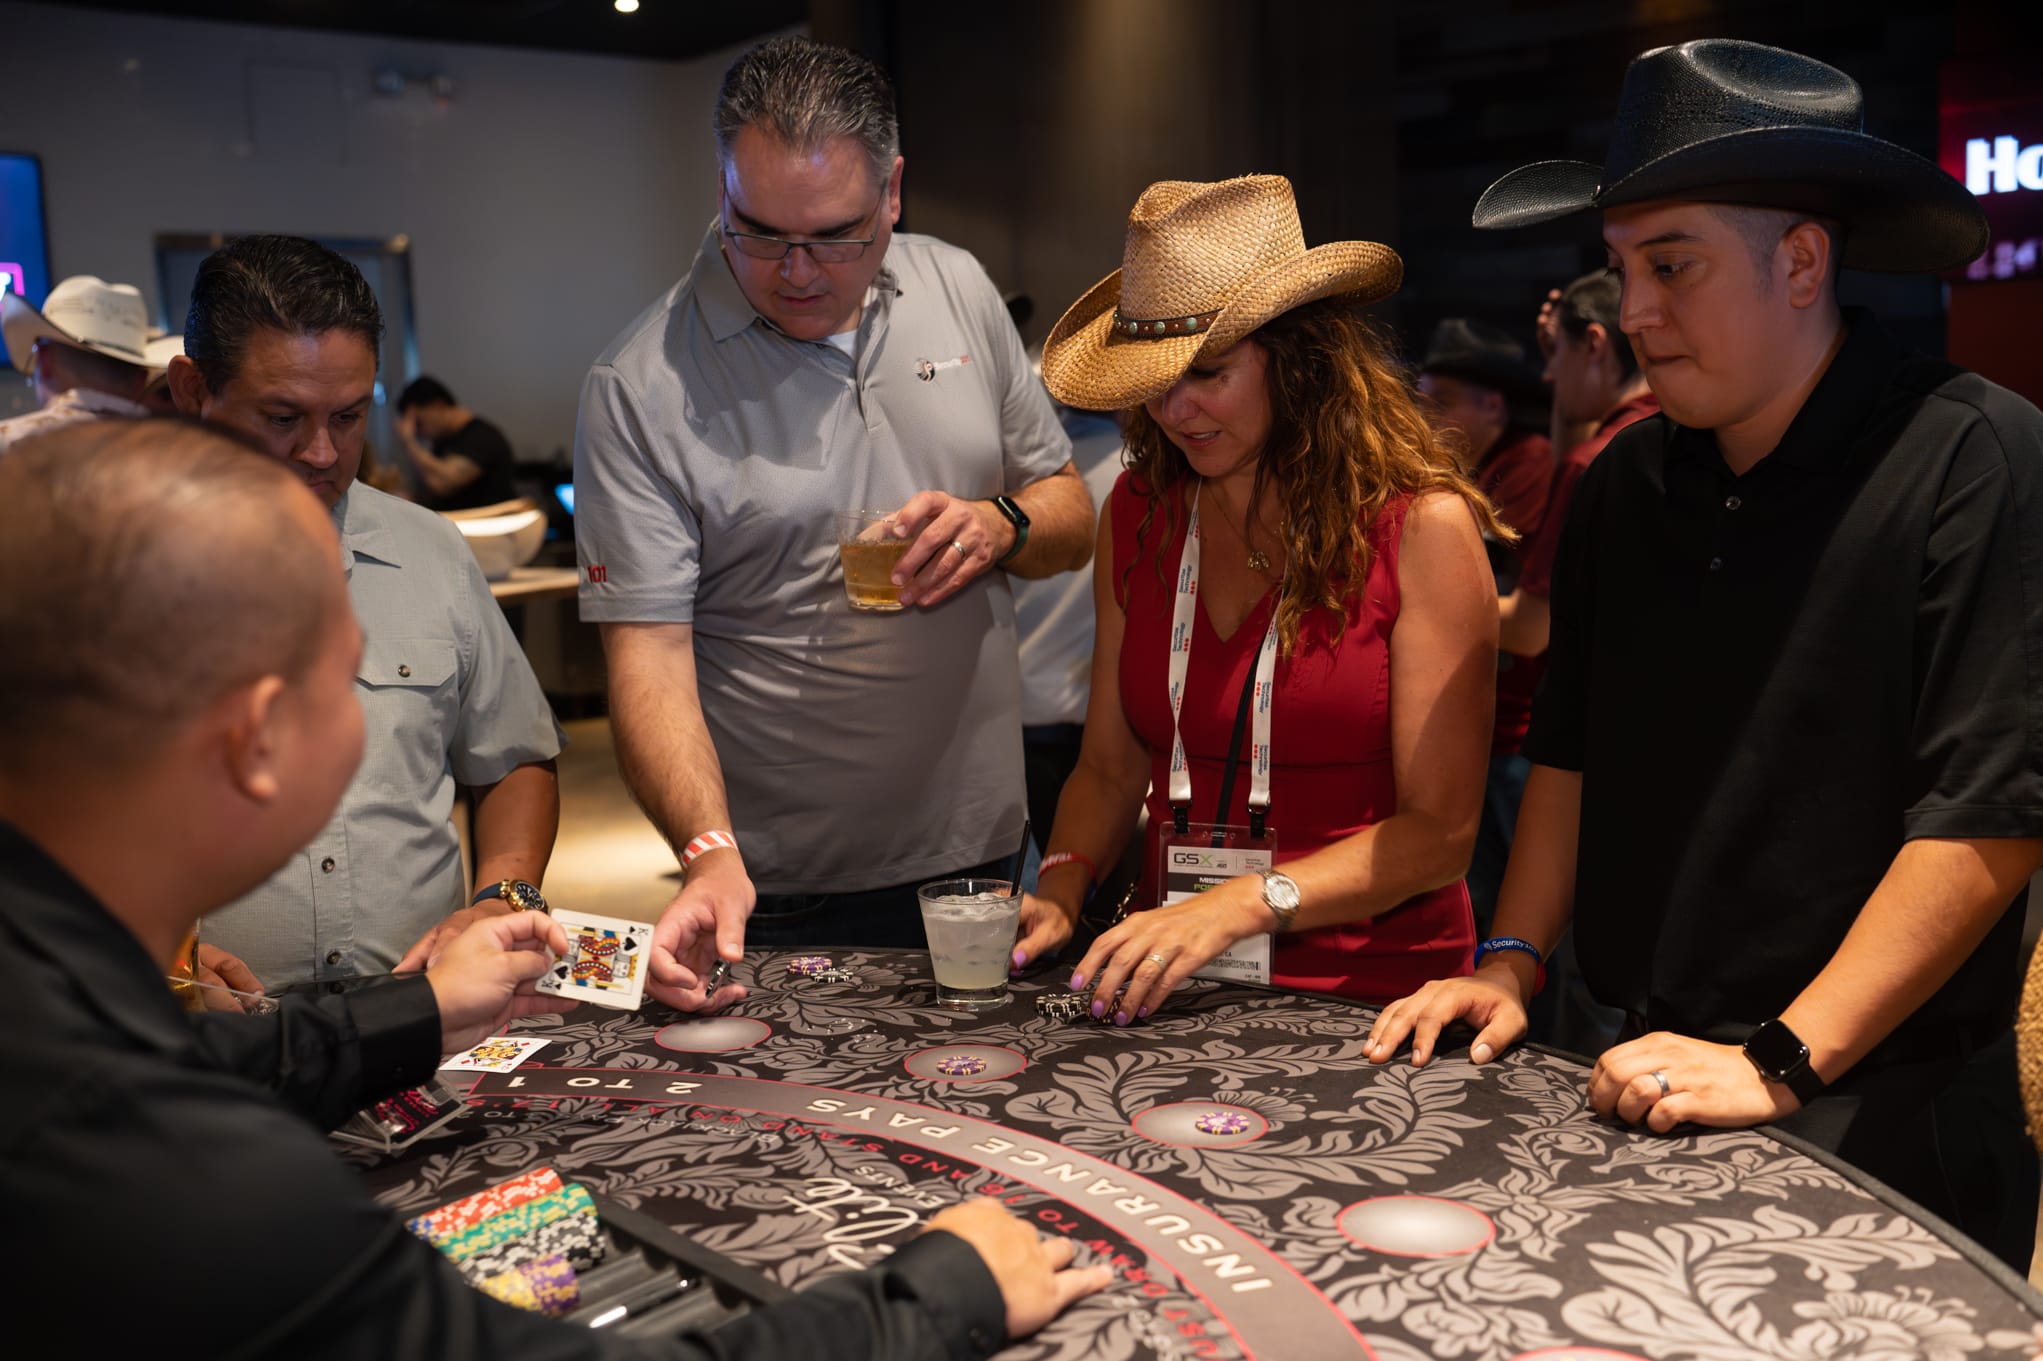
<point>838,250</point>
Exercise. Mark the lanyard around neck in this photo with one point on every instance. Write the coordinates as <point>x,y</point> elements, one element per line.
<point>1183,617</point>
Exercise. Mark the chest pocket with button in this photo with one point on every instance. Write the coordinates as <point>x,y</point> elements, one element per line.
<point>411,704</point>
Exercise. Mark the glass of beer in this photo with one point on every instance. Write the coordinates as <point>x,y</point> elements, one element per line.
<point>866,543</point>
<point>971,926</point>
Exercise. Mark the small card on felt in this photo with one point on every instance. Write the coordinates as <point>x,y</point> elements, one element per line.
<point>497,1054</point>
<point>606,961</point>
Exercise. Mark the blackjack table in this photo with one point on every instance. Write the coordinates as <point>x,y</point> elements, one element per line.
<point>1259,1188</point>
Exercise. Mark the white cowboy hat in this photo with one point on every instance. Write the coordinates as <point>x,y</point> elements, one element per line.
<point>84,312</point>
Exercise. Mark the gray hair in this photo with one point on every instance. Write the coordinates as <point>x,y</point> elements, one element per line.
<point>803,94</point>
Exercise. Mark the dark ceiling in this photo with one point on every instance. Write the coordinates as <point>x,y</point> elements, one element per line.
<point>661,29</point>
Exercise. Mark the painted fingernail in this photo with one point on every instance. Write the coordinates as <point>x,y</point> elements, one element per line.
<point>1020,959</point>
<point>1481,1053</point>
<point>1141,1012</point>
<point>1077,981</point>
<point>1120,1018</point>
<point>1099,1009</point>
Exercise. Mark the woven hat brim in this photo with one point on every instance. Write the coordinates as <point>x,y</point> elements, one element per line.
<point>1903,213</point>
<point>21,326</point>
<point>1089,365</point>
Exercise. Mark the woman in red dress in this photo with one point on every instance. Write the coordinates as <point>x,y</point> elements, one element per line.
<point>1294,557</point>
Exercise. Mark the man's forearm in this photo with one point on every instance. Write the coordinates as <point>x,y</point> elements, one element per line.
<point>1935,904</point>
<point>1060,512</point>
<point>516,821</point>
<point>438,475</point>
<point>1537,898</point>
<point>664,749</point>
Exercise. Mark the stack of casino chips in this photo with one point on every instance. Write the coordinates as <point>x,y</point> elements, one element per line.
<point>522,1241</point>
<point>1064,1006</point>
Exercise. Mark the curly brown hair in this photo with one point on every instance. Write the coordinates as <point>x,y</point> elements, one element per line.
<point>1346,438</point>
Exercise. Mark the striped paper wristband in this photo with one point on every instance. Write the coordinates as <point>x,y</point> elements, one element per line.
<point>704,844</point>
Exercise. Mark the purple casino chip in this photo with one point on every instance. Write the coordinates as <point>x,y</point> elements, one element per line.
<point>1221,1122</point>
<point>961,1065</point>
<point>809,964</point>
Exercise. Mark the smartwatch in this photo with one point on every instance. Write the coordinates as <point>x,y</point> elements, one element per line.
<point>1780,1056</point>
<point>522,897</point>
<point>1017,517</point>
<point>1280,895</point>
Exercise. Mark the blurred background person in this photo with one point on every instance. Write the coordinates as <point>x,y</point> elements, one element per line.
<point>86,350</point>
<point>460,460</point>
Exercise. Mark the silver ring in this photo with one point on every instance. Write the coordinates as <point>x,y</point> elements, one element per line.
<point>1661,1078</point>
<point>1157,960</point>
<point>963,552</point>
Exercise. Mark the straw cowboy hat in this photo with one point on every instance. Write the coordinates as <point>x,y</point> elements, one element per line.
<point>1204,265</point>
<point>84,312</point>
<point>1724,121</point>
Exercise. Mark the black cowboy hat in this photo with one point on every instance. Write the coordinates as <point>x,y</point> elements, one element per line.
<point>1484,354</point>
<point>1723,121</point>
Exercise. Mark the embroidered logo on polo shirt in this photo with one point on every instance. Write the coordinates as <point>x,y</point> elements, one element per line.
<point>598,574</point>
<point>927,370</point>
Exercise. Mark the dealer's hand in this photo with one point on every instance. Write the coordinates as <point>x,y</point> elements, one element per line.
<point>1706,1084</point>
<point>218,971</point>
<point>704,923</point>
<point>1034,1273</point>
<point>425,951</point>
<point>955,541</point>
<point>1043,930</point>
<point>1152,952</point>
<point>1493,1001</point>
<point>485,975</point>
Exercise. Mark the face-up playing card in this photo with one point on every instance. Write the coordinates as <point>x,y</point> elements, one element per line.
<point>605,963</point>
<point>498,1054</point>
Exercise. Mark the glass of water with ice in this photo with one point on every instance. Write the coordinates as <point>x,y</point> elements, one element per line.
<point>971,925</point>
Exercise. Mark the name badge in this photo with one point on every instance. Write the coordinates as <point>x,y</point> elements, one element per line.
<point>1206,855</point>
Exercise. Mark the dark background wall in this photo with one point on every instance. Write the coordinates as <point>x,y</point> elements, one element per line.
<point>1031,129</point>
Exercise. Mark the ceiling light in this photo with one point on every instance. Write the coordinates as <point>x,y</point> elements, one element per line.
<point>627,6</point>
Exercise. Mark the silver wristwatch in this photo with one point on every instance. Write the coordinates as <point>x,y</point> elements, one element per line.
<point>1280,895</point>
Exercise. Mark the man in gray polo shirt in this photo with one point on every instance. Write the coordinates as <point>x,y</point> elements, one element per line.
<point>812,362</point>
<point>281,345</point>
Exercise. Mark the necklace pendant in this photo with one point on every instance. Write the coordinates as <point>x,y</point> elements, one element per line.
<point>1258,560</point>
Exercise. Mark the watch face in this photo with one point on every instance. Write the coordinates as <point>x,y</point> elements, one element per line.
<point>1011,509</point>
<point>1777,1050</point>
<point>1281,890</point>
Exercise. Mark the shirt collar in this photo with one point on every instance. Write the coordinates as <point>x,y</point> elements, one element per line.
<point>76,936</point>
<point>99,403</point>
<point>363,533</point>
<point>723,303</point>
<point>1635,408</point>
<point>1823,436</point>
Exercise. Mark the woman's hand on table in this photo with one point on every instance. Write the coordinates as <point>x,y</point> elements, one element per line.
<point>1493,1001</point>
<point>1151,953</point>
<point>1705,1084</point>
<point>1036,1278</point>
<point>1043,930</point>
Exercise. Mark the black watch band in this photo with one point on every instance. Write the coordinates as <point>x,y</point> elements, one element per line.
<point>522,897</point>
<point>1780,1056</point>
<point>1017,517</point>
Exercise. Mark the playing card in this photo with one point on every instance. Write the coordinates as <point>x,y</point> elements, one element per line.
<point>605,963</point>
<point>497,1054</point>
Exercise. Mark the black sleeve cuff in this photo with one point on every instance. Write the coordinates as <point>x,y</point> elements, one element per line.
<point>398,1027</point>
<point>949,1278</point>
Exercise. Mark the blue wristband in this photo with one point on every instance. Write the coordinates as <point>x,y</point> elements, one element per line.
<point>1496,943</point>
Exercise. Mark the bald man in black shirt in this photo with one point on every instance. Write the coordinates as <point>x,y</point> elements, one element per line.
<point>177,717</point>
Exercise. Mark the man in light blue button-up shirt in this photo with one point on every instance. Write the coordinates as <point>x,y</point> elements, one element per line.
<point>281,344</point>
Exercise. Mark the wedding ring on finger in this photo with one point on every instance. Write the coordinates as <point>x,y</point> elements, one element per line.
<point>963,552</point>
<point>1157,960</point>
<point>1661,1077</point>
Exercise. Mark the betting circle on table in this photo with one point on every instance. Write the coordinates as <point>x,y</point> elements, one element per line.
<point>1342,1222</point>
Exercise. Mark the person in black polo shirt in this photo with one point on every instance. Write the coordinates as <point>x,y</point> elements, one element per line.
<point>462,461</point>
<point>1788,759</point>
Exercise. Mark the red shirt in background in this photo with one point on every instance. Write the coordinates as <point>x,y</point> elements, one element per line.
<point>1517,477</point>
<point>1536,576</point>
